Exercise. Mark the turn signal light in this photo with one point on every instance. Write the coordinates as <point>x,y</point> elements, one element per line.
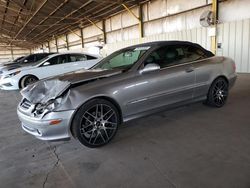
<point>55,121</point>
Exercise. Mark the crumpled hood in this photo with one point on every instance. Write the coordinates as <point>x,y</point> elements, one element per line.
<point>45,90</point>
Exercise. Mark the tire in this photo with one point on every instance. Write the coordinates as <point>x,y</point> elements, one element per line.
<point>27,80</point>
<point>96,123</point>
<point>218,93</point>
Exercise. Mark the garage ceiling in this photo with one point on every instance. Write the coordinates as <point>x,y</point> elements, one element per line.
<point>28,23</point>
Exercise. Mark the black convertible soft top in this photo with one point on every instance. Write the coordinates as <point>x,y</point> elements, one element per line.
<point>173,42</point>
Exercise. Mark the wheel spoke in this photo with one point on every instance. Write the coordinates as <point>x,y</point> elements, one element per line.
<point>90,138</point>
<point>110,128</point>
<point>112,123</point>
<point>107,113</point>
<point>96,112</point>
<point>102,137</point>
<point>101,114</point>
<point>110,116</point>
<point>90,114</point>
<point>96,138</point>
<point>106,133</point>
<point>87,119</point>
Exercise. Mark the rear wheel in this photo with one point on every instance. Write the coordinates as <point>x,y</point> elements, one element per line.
<point>96,123</point>
<point>218,93</point>
<point>27,80</point>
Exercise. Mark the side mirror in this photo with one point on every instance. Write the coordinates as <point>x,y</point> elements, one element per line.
<point>46,63</point>
<point>25,61</point>
<point>150,67</point>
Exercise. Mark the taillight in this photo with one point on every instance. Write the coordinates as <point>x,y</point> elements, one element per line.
<point>234,67</point>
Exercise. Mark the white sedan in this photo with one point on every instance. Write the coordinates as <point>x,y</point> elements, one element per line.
<point>50,66</point>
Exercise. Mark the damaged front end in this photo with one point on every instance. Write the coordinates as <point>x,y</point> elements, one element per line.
<point>43,97</point>
<point>37,110</point>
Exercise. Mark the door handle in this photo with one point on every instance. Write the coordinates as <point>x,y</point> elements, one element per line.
<point>189,69</point>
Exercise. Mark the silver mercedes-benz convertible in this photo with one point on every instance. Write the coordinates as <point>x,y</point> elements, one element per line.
<point>133,82</point>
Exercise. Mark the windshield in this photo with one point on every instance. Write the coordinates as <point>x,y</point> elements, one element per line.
<point>123,59</point>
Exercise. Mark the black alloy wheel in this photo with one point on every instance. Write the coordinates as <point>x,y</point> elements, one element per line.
<point>218,93</point>
<point>96,123</point>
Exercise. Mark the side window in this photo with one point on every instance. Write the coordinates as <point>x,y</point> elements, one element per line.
<point>193,53</point>
<point>61,59</point>
<point>76,57</point>
<point>167,56</point>
<point>40,56</point>
<point>30,59</point>
<point>89,57</point>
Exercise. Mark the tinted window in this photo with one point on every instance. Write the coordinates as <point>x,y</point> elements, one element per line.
<point>167,56</point>
<point>30,59</point>
<point>193,53</point>
<point>77,57</point>
<point>89,57</point>
<point>58,60</point>
<point>40,56</point>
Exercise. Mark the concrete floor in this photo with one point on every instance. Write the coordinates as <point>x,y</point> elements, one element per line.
<point>191,147</point>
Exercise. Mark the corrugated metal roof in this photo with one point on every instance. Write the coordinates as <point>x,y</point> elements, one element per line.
<point>28,23</point>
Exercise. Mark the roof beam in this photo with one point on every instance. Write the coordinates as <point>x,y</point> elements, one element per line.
<point>46,18</point>
<point>33,15</point>
<point>81,17</point>
<point>68,15</point>
<point>4,15</point>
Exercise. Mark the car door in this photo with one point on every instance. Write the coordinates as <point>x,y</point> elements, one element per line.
<point>204,67</point>
<point>52,67</point>
<point>171,85</point>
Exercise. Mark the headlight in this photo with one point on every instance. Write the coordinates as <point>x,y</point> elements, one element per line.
<point>49,106</point>
<point>52,104</point>
<point>12,74</point>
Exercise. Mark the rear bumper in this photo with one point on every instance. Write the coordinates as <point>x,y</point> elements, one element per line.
<point>232,80</point>
<point>43,130</point>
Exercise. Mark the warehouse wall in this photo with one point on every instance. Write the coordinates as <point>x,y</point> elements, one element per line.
<point>10,53</point>
<point>168,20</point>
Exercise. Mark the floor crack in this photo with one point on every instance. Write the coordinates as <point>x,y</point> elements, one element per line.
<point>54,166</point>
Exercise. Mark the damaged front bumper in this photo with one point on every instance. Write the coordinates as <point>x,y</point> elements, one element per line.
<point>44,128</point>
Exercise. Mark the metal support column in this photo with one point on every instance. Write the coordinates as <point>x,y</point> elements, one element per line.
<point>56,44</point>
<point>141,26</point>
<point>12,54</point>
<point>215,10</point>
<point>104,32</point>
<point>138,18</point>
<point>48,47</point>
<point>82,37</point>
<point>67,41</point>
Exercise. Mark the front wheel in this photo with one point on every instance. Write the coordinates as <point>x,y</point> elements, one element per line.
<point>96,123</point>
<point>27,80</point>
<point>218,93</point>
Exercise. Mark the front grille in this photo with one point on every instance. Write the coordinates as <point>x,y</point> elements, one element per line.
<point>26,104</point>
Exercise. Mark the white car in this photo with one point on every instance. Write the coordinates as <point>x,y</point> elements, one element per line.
<point>50,66</point>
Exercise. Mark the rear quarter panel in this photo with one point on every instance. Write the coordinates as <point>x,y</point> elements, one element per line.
<point>210,69</point>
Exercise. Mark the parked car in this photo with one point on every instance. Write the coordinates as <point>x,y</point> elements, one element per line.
<point>17,59</point>
<point>24,61</point>
<point>130,83</point>
<point>52,65</point>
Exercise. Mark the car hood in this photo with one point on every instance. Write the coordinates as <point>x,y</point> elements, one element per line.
<point>49,89</point>
<point>7,68</point>
<point>12,68</point>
